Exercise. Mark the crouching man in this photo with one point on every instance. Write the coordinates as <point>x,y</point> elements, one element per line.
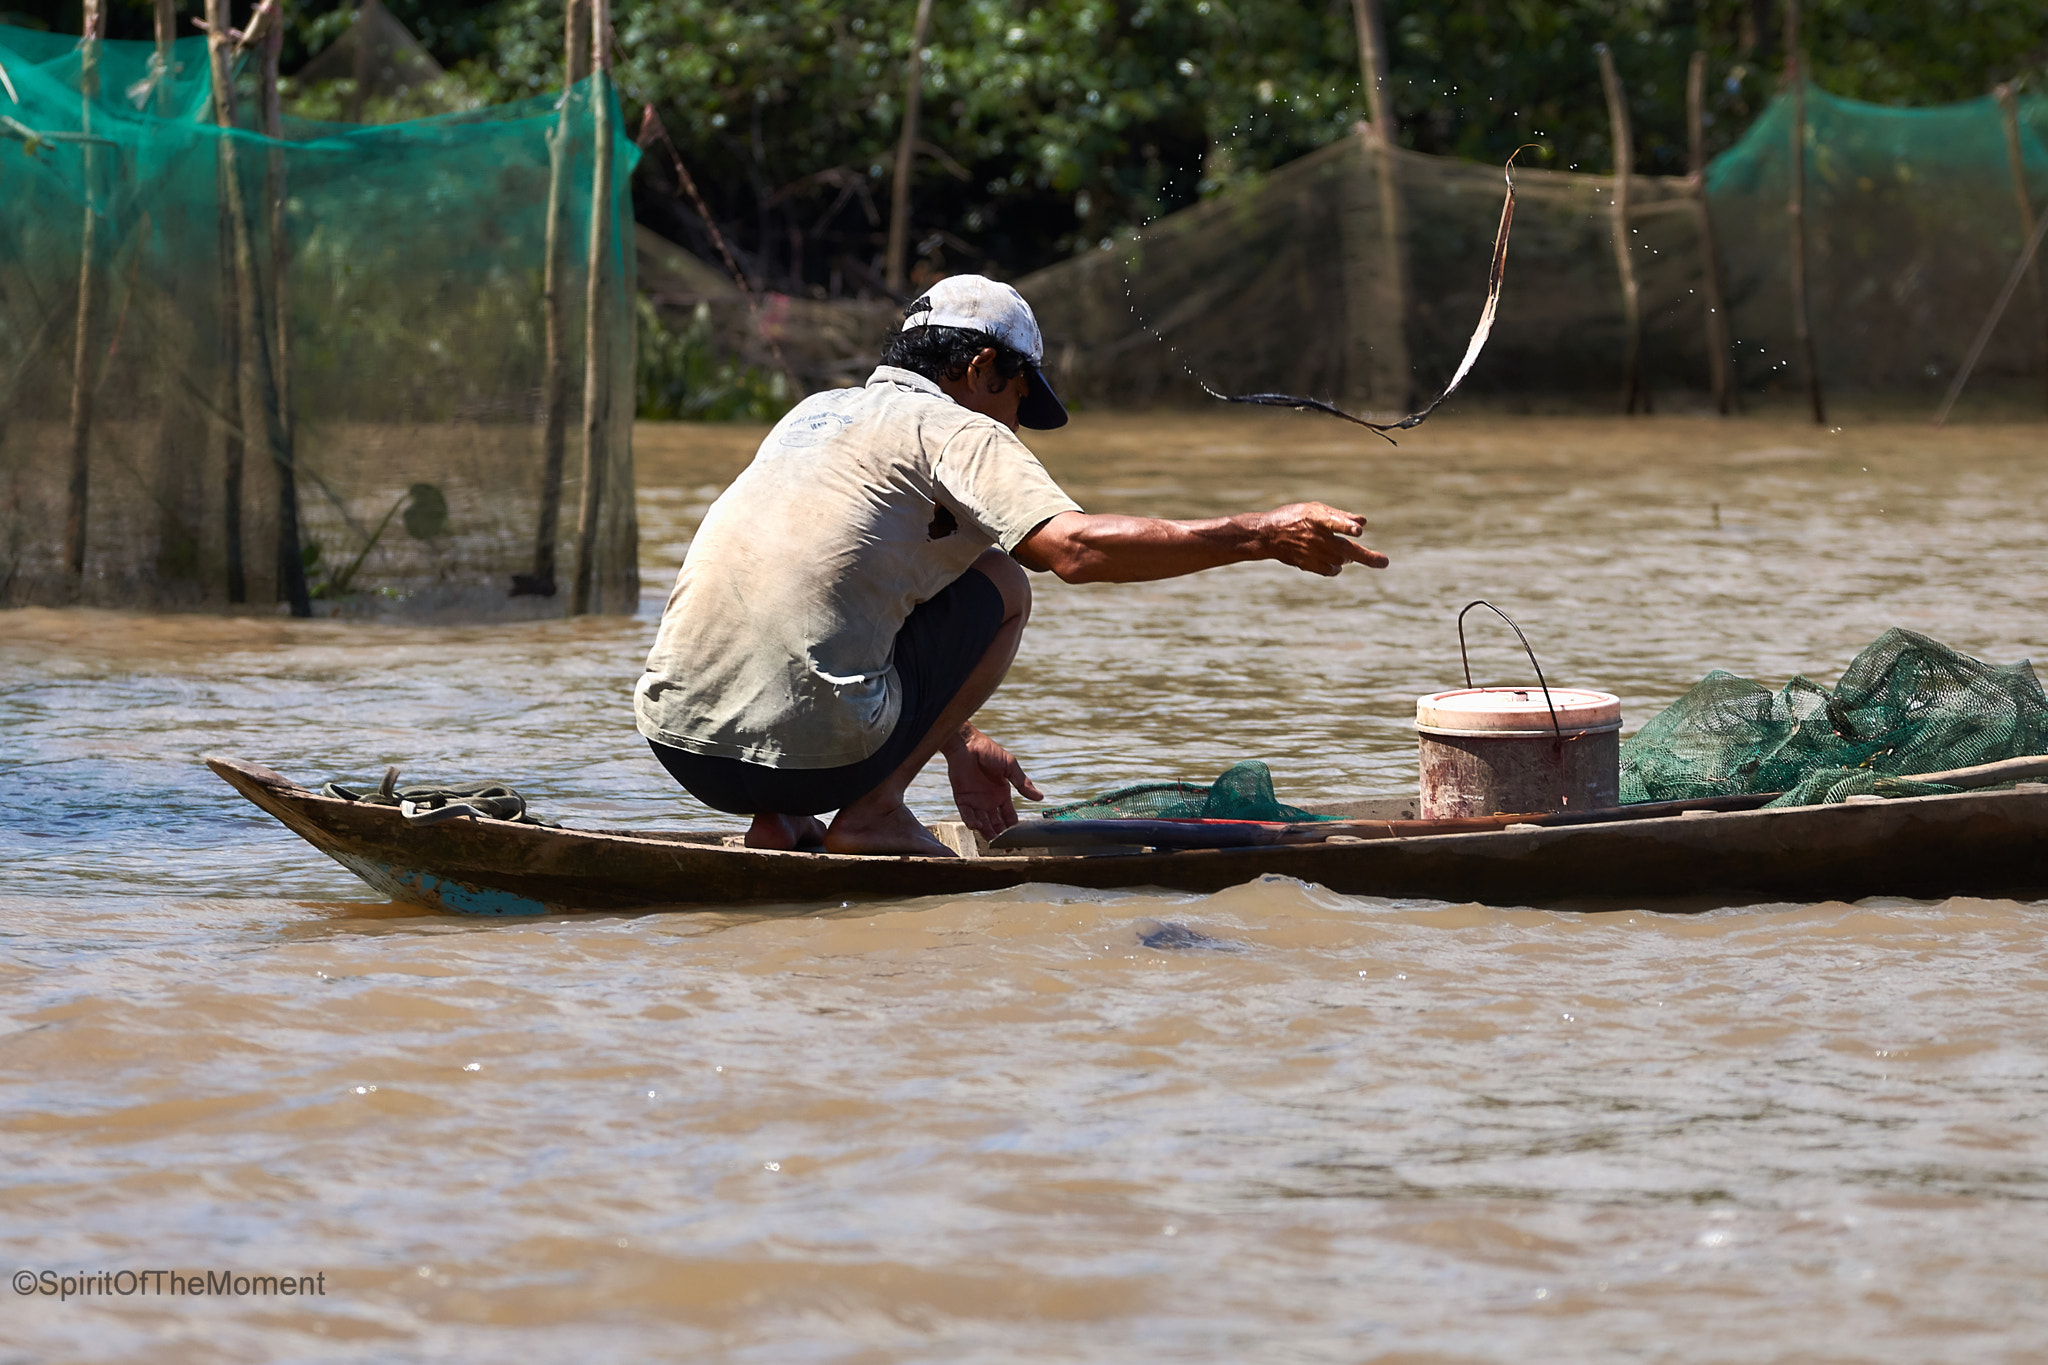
<point>859,591</point>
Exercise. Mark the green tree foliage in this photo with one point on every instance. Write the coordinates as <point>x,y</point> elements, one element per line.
<point>684,376</point>
<point>1043,129</point>
<point>1053,124</point>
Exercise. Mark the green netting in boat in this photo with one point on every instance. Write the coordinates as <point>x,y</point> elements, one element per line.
<point>1243,792</point>
<point>1906,705</point>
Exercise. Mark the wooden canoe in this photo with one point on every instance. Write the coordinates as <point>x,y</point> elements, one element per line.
<point>1972,843</point>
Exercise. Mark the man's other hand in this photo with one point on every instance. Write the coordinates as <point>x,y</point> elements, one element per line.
<point>983,772</point>
<point>1315,536</point>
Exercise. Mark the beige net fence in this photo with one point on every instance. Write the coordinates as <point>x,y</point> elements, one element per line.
<point>1287,285</point>
<point>1914,220</point>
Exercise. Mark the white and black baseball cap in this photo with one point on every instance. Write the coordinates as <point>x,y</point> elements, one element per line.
<point>980,304</point>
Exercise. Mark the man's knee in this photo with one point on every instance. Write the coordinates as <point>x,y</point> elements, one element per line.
<point>1010,580</point>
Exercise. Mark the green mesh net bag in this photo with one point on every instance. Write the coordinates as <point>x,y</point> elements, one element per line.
<point>232,363</point>
<point>1829,786</point>
<point>1906,705</point>
<point>1243,792</point>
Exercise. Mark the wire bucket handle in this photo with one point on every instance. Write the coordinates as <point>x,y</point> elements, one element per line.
<point>1466,659</point>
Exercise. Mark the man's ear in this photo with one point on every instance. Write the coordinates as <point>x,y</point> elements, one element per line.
<point>992,375</point>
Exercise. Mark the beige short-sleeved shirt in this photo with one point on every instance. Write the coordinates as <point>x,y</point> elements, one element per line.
<point>777,644</point>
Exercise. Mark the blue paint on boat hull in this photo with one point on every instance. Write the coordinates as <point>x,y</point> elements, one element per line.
<point>416,887</point>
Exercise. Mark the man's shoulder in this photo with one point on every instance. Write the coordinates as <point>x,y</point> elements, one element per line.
<point>817,420</point>
<point>885,415</point>
<point>941,420</point>
<point>896,414</point>
<point>907,396</point>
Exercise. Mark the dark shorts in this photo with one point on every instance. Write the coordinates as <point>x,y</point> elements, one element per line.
<point>936,649</point>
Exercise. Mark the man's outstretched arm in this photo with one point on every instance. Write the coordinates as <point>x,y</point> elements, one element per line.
<point>1082,547</point>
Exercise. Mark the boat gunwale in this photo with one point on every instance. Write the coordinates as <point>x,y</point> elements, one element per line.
<point>1462,861</point>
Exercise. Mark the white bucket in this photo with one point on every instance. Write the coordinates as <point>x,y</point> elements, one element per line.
<point>1513,750</point>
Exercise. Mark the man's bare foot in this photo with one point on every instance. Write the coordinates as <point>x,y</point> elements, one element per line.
<point>786,832</point>
<point>864,828</point>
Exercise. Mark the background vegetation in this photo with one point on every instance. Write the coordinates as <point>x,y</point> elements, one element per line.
<point>1053,124</point>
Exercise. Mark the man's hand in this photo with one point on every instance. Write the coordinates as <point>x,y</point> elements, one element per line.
<point>1313,536</point>
<point>983,773</point>
<point>1084,547</point>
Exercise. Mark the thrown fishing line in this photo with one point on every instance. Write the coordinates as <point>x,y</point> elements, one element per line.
<point>1472,349</point>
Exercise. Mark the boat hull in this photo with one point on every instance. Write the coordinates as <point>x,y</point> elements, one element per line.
<point>1986,844</point>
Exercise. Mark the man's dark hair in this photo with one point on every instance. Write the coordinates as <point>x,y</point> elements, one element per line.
<point>945,352</point>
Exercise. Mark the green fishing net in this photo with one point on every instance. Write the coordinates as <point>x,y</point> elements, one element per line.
<point>1243,792</point>
<point>1907,705</point>
<point>1912,221</point>
<point>198,393</point>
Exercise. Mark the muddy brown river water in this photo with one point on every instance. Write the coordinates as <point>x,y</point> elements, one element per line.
<point>1001,1128</point>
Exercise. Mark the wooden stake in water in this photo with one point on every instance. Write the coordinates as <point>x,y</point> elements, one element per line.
<point>2008,108</point>
<point>1795,210</point>
<point>249,326</point>
<point>291,565</point>
<point>906,155</point>
<point>597,378</point>
<point>1631,295</point>
<point>166,35</point>
<point>83,345</point>
<point>1380,340</point>
<point>274,195</point>
<point>554,398</point>
<point>2012,285</point>
<point>219,52</point>
<point>1718,333</point>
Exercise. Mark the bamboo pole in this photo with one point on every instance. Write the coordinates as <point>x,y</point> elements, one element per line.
<point>1719,340</point>
<point>1795,210</point>
<point>83,343</point>
<point>219,52</point>
<point>2012,285</point>
<point>2008,108</point>
<point>1392,384</point>
<point>166,35</point>
<point>906,155</point>
<point>274,195</point>
<point>597,386</point>
<point>176,475</point>
<point>177,553</point>
<point>1624,264</point>
<point>361,59</point>
<point>291,564</point>
<point>554,401</point>
<point>576,42</point>
<point>249,323</point>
